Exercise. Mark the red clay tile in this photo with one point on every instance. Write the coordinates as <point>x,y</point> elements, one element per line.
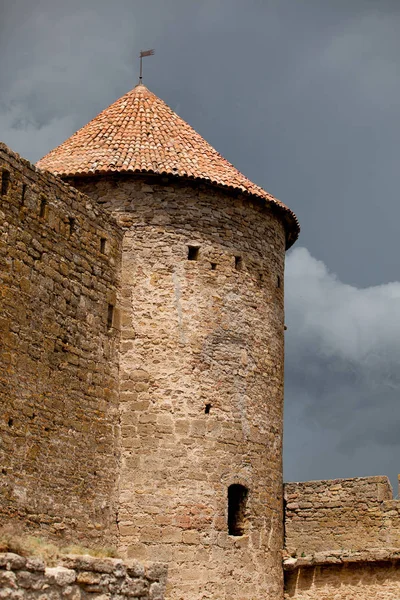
<point>140,133</point>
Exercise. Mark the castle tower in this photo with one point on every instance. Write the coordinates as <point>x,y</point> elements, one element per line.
<point>201,319</point>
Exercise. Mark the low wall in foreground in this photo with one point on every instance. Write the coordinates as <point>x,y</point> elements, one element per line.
<point>80,578</point>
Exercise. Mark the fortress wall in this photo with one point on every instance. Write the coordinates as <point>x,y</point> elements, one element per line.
<point>343,536</point>
<point>58,368</point>
<point>195,334</point>
<point>341,514</point>
<point>363,581</point>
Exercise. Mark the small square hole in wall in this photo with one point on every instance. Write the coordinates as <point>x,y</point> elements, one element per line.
<point>5,181</point>
<point>207,409</point>
<point>238,263</point>
<point>193,252</point>
<point>103,243</point>
<point>213,266</point>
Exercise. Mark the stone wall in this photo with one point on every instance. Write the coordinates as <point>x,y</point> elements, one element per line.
<point>342,540</point>
<point>350,514</point>
<point>59,268</point>
<point>80,578</point>
<point>201,383</point>
<point>376,580</point>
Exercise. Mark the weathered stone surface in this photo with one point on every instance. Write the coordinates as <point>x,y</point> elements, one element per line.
<point>137,443</point>
<point>58,358</point>
<point>99,582</point>
<point>365,581</point>
<point>199,333</point>
<point>342,540</point>
<point>60,575</point>
<point>331,557</point>
<point>9,560</point>
<point>35,564</point>
<point>341,515</point>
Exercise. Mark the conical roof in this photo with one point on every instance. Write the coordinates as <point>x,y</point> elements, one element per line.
<point>139,133</point>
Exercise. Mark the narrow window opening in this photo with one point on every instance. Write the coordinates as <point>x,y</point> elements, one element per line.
<point>238,263</point>
<point>10,422</point>
<point>193,252</point>
<point>4,472</point>
<point>72,223</point>
<point>237,498</point>
<point>103,242</point>
<point>278,282</point>
<point>23,194</point>
<point>213,266</point>
<point>42,211</point>
<point>207,409</point>
<point>5,180</point>
<point>110,316</point>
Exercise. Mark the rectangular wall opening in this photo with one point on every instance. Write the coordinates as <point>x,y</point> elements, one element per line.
<point>237,499</point>
<point>42,210</point>
<point>238,263</point>
<point>23,194</point>
<point>72,223</point>
<point>110,316</point>
<point>5,182</point>
<point>103,242</point>
<point>193,252</point>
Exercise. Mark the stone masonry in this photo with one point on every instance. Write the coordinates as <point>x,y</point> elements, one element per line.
<point>201,382</point>
<point>342,540</point>
<point>197,345</point>
<point>141,380</point>
<point>352,514</point>
<point>80,578</point>
<point>59,451</point>
<point>375,580</point>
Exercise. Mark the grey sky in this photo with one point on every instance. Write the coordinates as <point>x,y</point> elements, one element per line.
<point>303,97</point>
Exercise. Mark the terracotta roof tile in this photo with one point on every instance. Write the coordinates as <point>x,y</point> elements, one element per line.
<point>140,133</point>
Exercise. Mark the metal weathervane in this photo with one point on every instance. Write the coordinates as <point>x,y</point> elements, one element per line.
<point>144,53</point>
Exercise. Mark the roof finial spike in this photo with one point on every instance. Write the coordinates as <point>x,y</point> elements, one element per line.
<point>144,53</point>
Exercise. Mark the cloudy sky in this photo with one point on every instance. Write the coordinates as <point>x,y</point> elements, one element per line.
<point>303,97</point>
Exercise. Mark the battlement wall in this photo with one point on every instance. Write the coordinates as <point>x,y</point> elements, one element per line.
<point>59,270</point>
<point>343,540</point>
<point>341,514</point>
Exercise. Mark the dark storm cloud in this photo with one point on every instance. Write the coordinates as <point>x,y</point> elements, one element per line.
<point>302,96</point>
<point>343,377</point>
